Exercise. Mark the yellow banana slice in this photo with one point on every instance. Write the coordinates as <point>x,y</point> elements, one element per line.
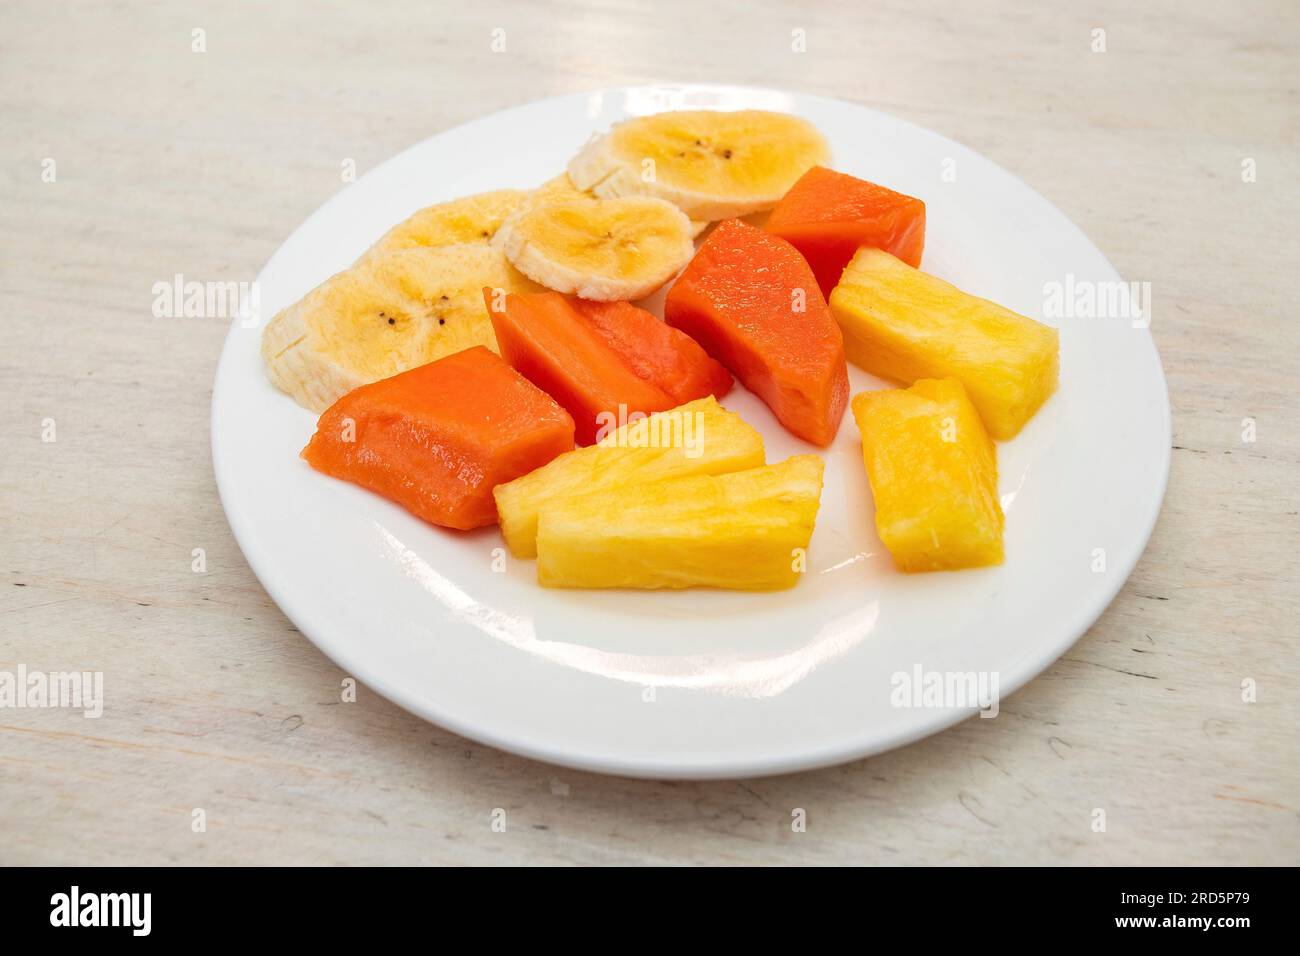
<point>473,219</point>
<point>603,249</point>
<point>385,315</point>
<point>561,189</point>
<point>712,165</point>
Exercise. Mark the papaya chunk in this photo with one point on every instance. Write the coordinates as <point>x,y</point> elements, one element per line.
<point>655,351</point>
<point>749,298</point>
<point>827,215</point>
<point>439,438</point>
<point>544,338</point>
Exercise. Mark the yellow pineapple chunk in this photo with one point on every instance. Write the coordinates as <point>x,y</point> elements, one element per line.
<point>747,530</point>
<point>698,438</point>
<point>904,325</point>
<point>934,474</point>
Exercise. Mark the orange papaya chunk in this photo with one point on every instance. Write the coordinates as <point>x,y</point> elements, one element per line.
<point>827,215</point>
<point>662,355</point>
<point>545,339</point>
<point>438,438</point>
<point>750,299</point>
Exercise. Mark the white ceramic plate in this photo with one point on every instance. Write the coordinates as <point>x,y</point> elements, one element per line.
<point>708,684</point>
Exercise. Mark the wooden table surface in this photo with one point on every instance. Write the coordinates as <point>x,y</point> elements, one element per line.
<point>169,161</point>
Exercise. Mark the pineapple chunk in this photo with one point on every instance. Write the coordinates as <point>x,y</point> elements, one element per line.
<point>747,530</point>
<point>698,438</point>
<point>904,325</point>
<point>934,475</point>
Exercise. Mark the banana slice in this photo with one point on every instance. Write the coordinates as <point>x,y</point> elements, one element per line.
<point>608,250</point>
<point>711,165</point>
<point>473,219</point>
<point>561,189</point>
<point>385,315</point>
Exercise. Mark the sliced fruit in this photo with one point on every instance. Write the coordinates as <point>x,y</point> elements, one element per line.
<point>604,249</point>
<point>698,438</point>
<point>934,476</point>
<point>827,215</point>
<point>750,299</point>
<point>385,315</point>
<point>545,339</point>
<point>561,189</point>
<point>439,438</point>
<point>711,165</point>
<point>558,189</point>
<point>655,351</point>
<point>747,530</point>
<point>902,324</point>
<point>474,219</point>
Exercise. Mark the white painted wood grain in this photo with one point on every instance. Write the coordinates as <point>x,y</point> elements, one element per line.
<point>170,161</point>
